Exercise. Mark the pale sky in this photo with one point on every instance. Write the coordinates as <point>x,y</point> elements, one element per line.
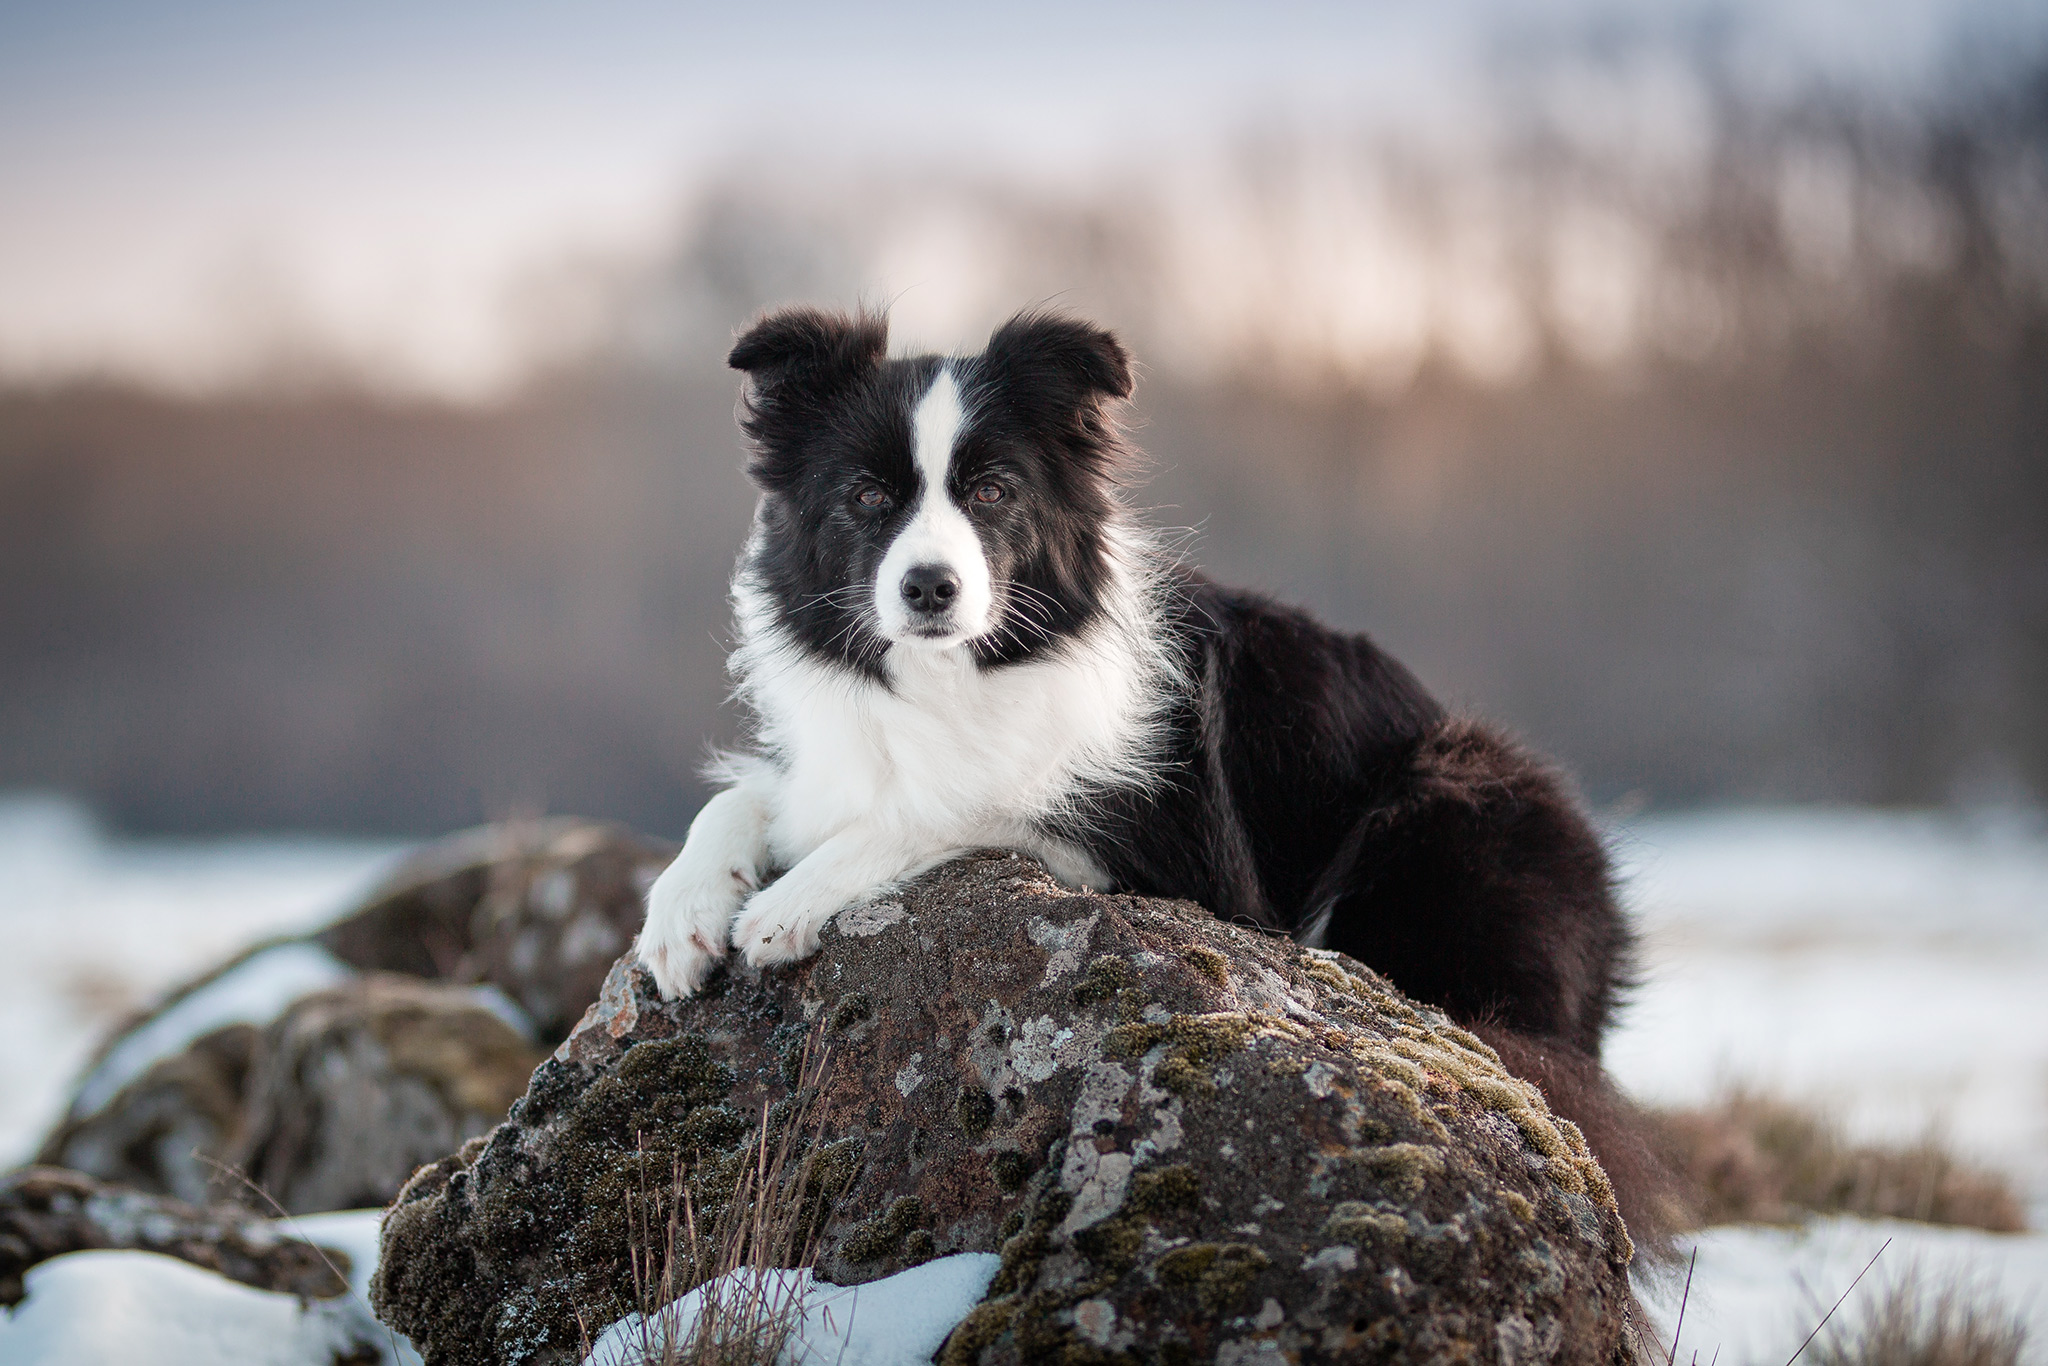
<point>182,186</point>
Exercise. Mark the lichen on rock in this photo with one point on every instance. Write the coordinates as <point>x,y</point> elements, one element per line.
<point>1187,1141</point>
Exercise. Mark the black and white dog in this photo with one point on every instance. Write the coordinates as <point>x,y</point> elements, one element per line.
<point>954,634</point>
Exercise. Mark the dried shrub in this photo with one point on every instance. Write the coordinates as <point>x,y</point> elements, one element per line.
<point>1951,1324</point>
<point>736,1246</point>
<point>1750,1158</point>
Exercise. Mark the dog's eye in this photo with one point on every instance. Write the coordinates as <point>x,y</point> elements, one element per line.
<point>989,493</point>
<point>871,496</point>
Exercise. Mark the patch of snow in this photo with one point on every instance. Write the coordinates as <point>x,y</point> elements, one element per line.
<point>253,992</point>
<point>1753,874</point>
<point>1757,1292</point>
<point>91,1307</point>
<point>899,1320</point>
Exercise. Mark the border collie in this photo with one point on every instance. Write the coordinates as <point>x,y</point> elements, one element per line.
<point>954,634</point>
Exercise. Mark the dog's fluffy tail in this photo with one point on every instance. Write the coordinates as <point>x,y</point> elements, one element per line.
<point>1579,1089</point>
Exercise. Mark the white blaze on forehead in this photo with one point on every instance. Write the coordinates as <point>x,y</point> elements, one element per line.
<point>938,531</point>
<point>934,428</point>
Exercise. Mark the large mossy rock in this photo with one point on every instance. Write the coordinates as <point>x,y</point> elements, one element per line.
<point>1189,1142</point>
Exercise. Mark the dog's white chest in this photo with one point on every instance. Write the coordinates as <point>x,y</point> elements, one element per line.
<point>962,755</point>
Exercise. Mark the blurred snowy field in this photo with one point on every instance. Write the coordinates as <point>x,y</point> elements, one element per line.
<point>1892,968</point>
<point>92,928</point>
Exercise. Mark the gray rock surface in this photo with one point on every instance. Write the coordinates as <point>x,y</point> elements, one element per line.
<point>354,1088</point>
<point>1189,1142</point>
<point>46,1212</point>
<point>167,1131</point>
<point>330,1099</point>
<point>538,909</point>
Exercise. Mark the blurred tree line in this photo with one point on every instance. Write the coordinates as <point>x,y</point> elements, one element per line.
<point>1701,433</point>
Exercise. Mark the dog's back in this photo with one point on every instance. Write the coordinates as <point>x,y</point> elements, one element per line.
<point>1318,789</point>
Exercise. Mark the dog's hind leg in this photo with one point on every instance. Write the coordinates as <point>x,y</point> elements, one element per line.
<point>1481,887</point>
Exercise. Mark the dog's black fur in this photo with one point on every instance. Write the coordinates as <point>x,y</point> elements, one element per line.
<point>1311,785</point>
<point>1316,788</point>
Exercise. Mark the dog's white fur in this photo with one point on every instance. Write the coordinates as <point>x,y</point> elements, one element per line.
<point>860,785</point>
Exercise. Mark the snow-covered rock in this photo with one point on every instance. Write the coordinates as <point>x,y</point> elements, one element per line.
<point>254,989</point>
<point>86,1308</point>
<point>538,909</point>
<point>96,925</point>
<point>330,1106</point>
<point>354,1088</point>
<point>46,1212</point>
<point>327,1066</point>
<point>103,1306</point>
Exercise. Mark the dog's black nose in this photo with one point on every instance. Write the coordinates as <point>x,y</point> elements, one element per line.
<point>930,588</point>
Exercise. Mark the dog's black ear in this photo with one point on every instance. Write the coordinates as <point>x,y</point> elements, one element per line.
<point>1047,349</point>
<point>809,349</point>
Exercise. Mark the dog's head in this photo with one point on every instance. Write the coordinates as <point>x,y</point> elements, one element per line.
<point>931,503</point>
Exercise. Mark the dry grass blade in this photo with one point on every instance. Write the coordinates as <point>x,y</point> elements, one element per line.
<point>1839,1302</point>
<point>298,1231</point>
<point>1677,1332</point>
<point>734,1233</point>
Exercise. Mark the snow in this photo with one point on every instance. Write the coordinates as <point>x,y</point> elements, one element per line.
<point>1887,967</point>
<point>900,1320</point>
<point>356,1232</point>
<point>87,1308</point>
<point>492,998</point>
<point>1891,968</point>
<point>1757,1292</point>
<point>91,1308</point>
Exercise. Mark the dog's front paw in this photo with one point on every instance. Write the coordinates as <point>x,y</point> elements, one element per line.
<point>777,927</point>
<point>679,965</point>
<point>687,918</point>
